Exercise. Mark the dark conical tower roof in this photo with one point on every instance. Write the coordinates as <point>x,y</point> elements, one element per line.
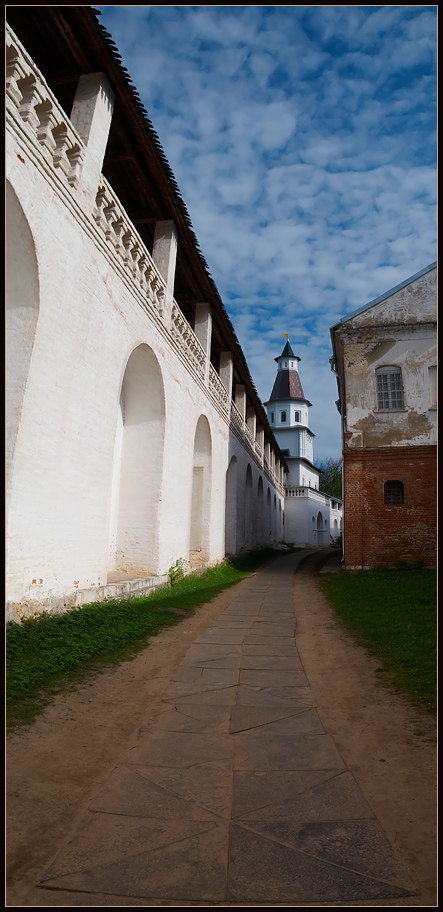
<point>287,386</point>
<point>287,382</point>
<point>287,352</point>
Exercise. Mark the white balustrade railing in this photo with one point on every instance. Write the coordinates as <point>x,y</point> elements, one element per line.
<point>217,388</point>
<point>249,436</point>
<point>259,450</point>
<point>125,242</point>
<point>306,491</point>
<point>237,417</point>
<point>45,122</point>
<point>239,422</point>
<point>185,336</point>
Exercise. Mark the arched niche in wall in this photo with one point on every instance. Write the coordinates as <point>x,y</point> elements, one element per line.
<point>199,540</point>
<point>231,508</point>
<point>22,308</point>
<point>268,517</point>
<point>320,527</point>
<point>249,509</point>
<point>138,466</point>
<point>260,512</point>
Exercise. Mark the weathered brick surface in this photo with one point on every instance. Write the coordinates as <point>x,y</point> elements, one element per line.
<point>379,533</point>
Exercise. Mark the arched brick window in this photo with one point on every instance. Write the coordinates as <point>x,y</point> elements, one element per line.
<point>394,492</point>
<point>389,388</point>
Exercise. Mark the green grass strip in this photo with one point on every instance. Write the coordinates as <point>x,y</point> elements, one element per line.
<point>394,615</point>
<point>52,652</point>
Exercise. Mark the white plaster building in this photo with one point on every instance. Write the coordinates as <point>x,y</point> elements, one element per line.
<point>311,517</point>
<point>135,435</point>
<point>385,361</point>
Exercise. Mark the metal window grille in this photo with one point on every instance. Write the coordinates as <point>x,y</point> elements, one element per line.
<point>394,492</point>
<point>390,388</point>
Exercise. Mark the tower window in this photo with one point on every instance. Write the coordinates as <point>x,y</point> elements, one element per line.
<point>389,388</point>
<point>272,417</point>
<point>296,416</point>
<point>283,416</point>
<point>394,492</point>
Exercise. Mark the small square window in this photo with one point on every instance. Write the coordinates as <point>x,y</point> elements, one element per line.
<point>394,492</point>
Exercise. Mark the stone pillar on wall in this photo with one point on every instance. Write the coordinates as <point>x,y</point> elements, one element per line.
<point>251,420</point>
<point>91,116</point>
<point>203,331</point>
<point>260,437</point>
<point>164,254</point>
<point>240,399</point>
<point>227,373</point>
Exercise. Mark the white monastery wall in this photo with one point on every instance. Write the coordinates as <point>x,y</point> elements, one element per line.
<point>311,518</point>
<point>120,434</point>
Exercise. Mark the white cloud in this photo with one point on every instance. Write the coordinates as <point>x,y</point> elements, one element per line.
<point>303,143</point>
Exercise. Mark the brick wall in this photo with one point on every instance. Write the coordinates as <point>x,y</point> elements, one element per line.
<point>379,533</point>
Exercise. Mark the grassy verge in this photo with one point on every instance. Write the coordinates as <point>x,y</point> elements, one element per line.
<point>52,653</point>
<point>393,613</point>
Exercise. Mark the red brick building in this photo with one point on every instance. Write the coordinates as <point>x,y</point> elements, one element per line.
<point>385,359</point>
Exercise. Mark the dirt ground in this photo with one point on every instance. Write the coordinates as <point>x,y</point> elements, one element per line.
<point>55,764</point>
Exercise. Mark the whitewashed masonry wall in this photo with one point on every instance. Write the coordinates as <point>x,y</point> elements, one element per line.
<point>120,433</point>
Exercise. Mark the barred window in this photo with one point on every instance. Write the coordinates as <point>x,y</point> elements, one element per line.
<point>389,388</point>
<point>394,492</point>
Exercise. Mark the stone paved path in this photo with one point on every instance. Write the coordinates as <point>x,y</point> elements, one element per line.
<point>236,795</point>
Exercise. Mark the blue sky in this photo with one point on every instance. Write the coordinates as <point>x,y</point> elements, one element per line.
<point>303,141</point>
